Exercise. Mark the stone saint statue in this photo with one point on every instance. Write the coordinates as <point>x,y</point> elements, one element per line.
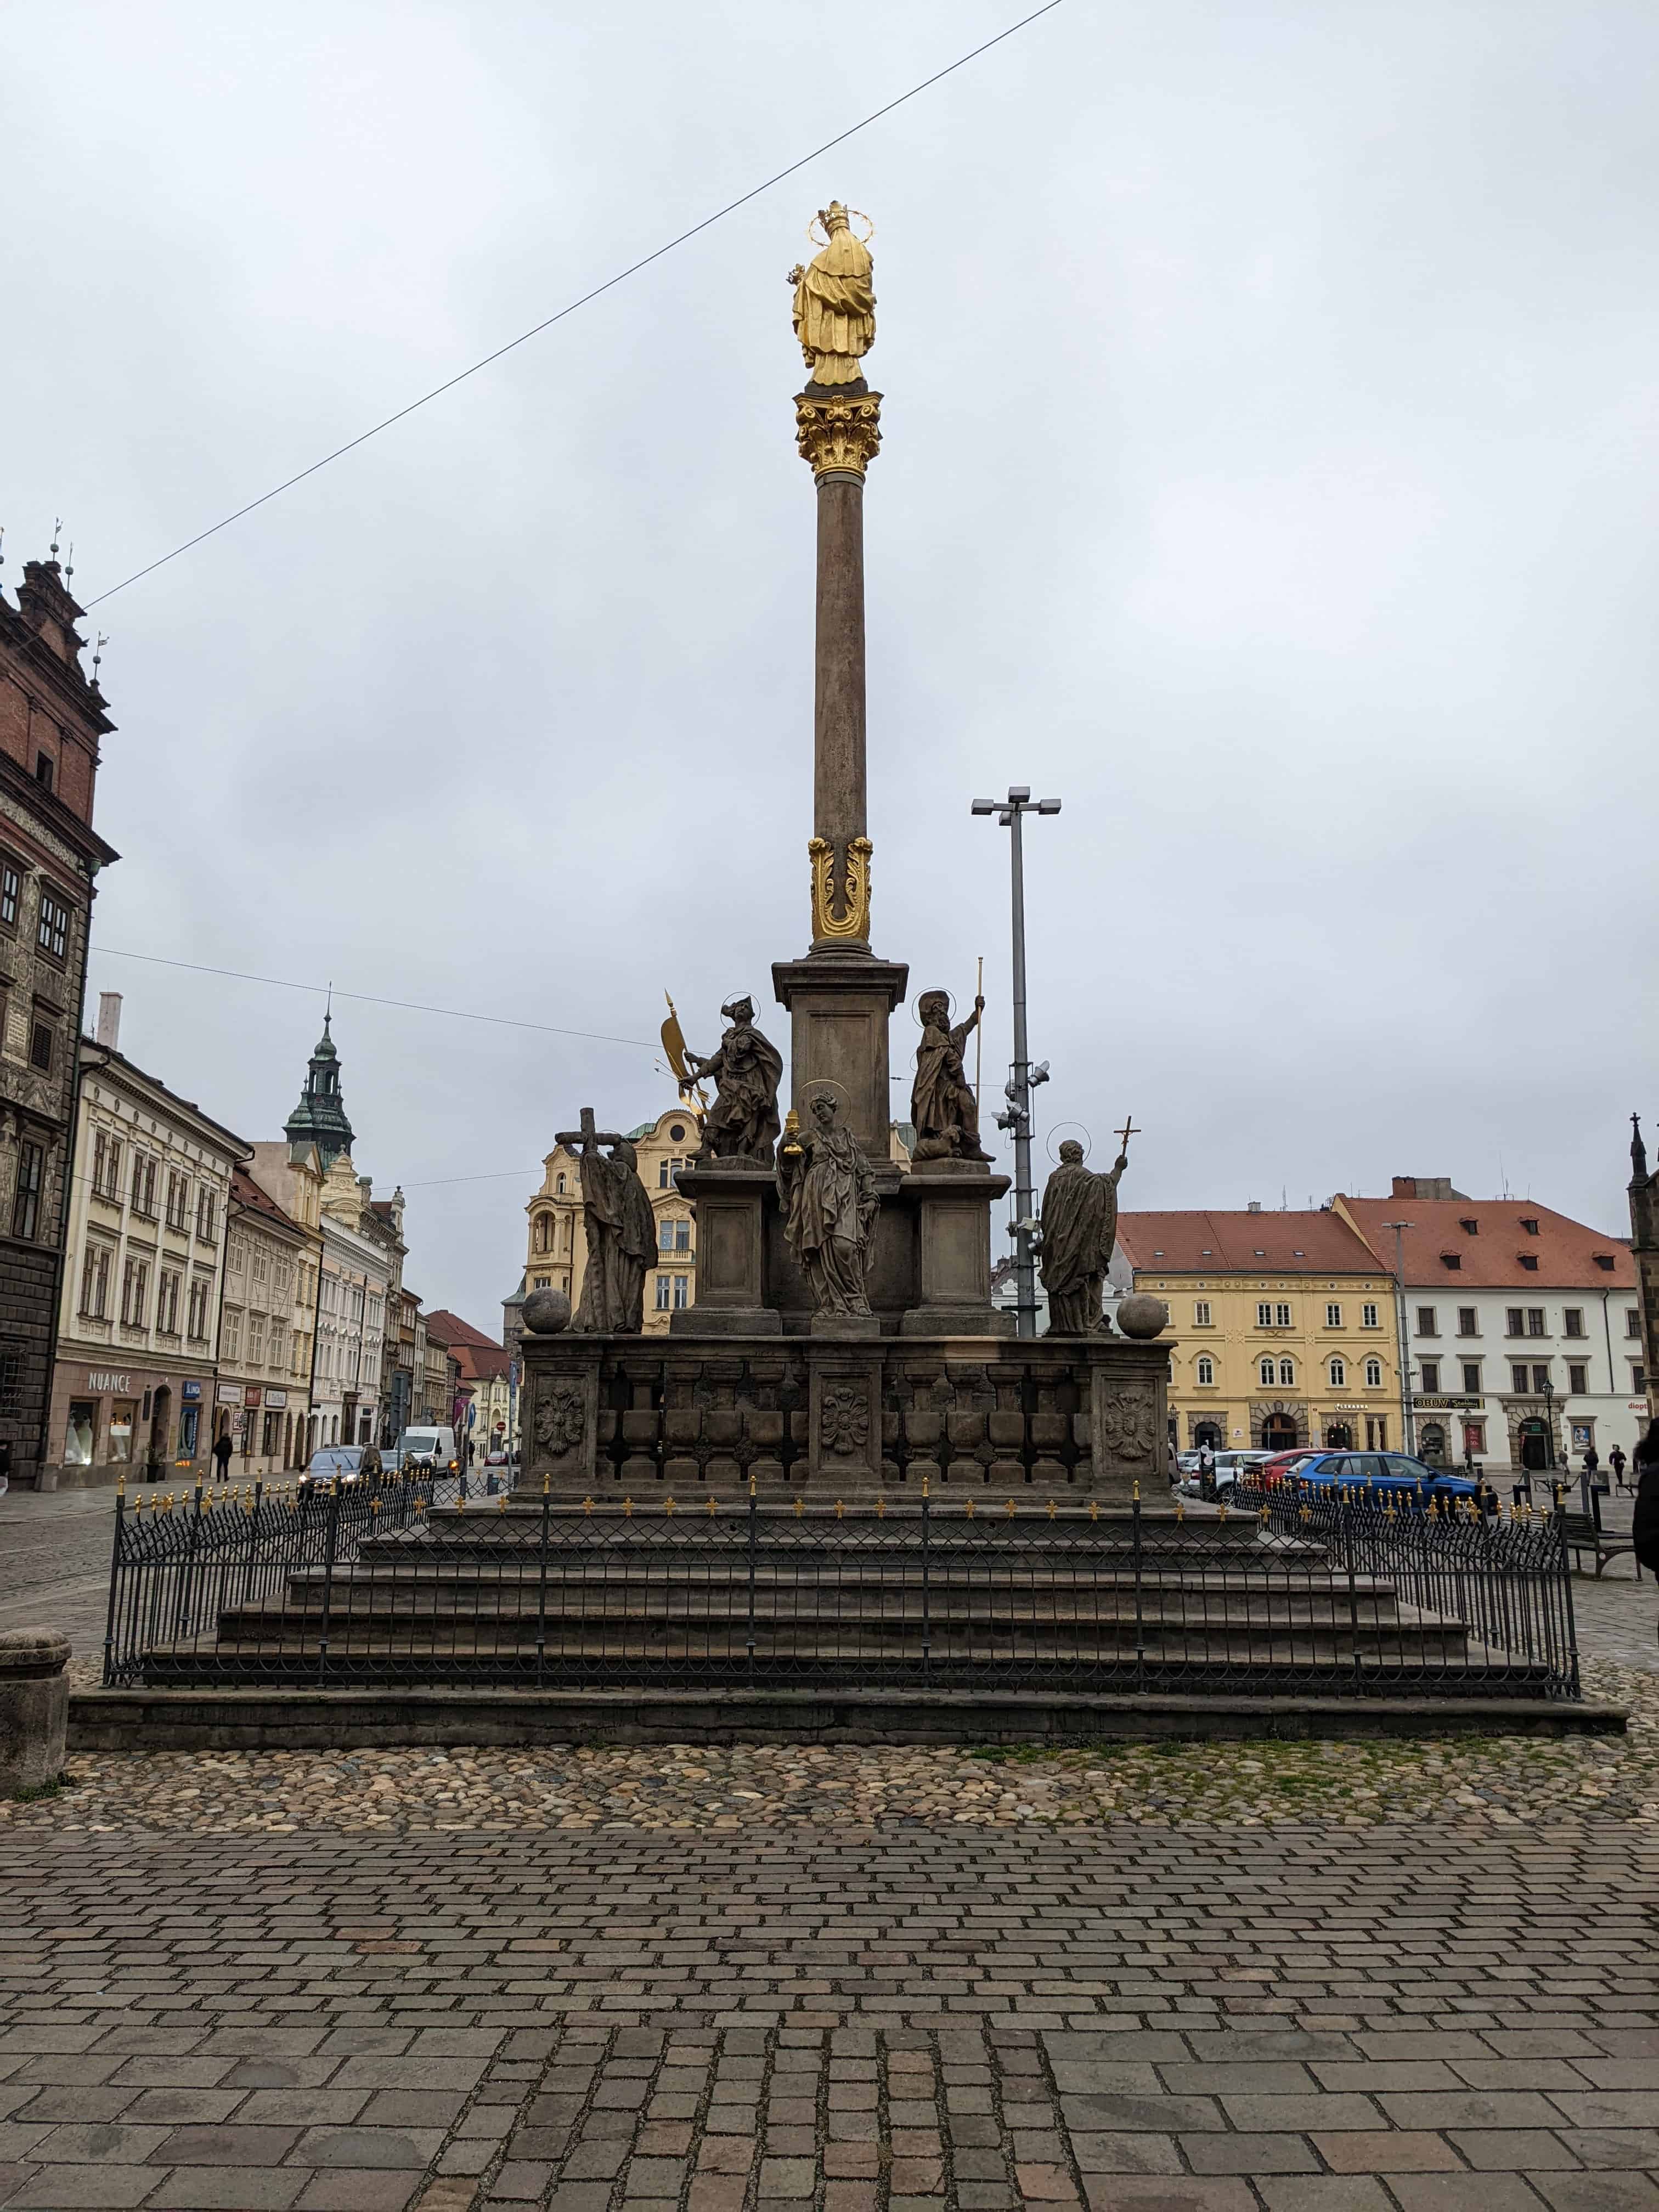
<point>1080,1228</point>
<point>942,1103</point>
<point>835,310</point>
<point>830,1202</point>
<point>746,1071</point>
<point>620,1230</point>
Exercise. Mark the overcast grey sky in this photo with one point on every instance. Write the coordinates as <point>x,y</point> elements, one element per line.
<point>1269,470</point>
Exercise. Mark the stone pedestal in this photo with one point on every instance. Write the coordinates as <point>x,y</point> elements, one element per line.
<point>840,1004</point>
<point>735,1202</point>
<point>34,1707</point>
<point>953,1200</point>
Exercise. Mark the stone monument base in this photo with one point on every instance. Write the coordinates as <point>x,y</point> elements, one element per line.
<point>832,1416</point>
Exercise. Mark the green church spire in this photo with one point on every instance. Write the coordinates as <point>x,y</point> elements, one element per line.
<point>319,1118</point>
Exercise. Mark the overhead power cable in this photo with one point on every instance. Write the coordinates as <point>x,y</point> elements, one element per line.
<point>546,323</point>
<point>367,998</point>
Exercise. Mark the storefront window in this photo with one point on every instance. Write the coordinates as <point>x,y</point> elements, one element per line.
<point>77,1444</point>
<point>122,1415</point>
<point>189,1429</point>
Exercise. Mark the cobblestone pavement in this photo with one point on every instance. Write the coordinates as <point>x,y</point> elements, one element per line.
<point>1193,2019</point>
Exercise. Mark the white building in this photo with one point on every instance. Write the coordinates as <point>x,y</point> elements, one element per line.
<point>136,1367</point>
<point>1520,1326</point>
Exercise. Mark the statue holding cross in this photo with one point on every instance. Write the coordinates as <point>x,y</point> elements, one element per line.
<point>620,1227</point>
<point>1079,1230</point>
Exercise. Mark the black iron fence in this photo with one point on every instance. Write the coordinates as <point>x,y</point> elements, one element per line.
<point>379,1583</point>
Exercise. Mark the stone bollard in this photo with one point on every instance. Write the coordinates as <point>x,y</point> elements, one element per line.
<point>34,1707</point>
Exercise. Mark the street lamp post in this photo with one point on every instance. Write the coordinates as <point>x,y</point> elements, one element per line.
<point>1403,1332</point>
<point>1022,1077</point>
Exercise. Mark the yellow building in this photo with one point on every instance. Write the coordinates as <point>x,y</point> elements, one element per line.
<point>558,1248</point>
<point>1282,1325</point>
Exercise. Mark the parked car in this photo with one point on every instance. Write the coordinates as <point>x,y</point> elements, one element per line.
<point>496,1459</point>
<point>433,1448</point>
<point>1379,1474</point>
<point>1285,1462</point>
<point>1230,1466</point>
<point>343,1463</point>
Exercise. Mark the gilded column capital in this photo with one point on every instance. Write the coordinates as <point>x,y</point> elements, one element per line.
<point>838,430</point>
<point>853,889</point>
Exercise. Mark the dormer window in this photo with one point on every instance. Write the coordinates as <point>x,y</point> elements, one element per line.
<point>1603,1260</point>
<point>1529,1260</point>
<point>1469,1225</point>
<point>1453,1260</point>
<point>1528,1222</point>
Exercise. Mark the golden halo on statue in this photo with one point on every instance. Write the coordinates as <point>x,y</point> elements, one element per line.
<point>843,1096</point>
<point>1056,1136</point>
<point>812,237</point>
<point>916,1006</point>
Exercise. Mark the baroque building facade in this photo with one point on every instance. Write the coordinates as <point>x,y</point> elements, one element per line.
<point>133,1381</point>
<point>262,1397</point>
<point>1522,1328</point>
<point>51,718</point>
<point>1282,1325</point>
<point>557,1253</point>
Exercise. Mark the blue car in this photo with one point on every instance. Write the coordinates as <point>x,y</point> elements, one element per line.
<point>1379,1475</point>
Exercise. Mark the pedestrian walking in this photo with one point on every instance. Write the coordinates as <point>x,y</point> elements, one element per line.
<point>221,1451</point>
<point>1592,1461</point>
<point>1207,1467</point>
<point>1616,1462</point>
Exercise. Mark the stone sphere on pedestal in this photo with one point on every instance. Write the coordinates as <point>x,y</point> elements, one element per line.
<point>1142,1315</point>
<point>546,1312</point>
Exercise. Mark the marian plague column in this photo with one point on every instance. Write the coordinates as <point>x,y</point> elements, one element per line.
<point>840,996</point>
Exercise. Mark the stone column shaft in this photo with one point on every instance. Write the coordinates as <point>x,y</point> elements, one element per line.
<point>838,704</point>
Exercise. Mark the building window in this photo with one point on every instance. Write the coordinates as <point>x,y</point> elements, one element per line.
<point>1468,1321</point>
<point>144,1186</point>
<point>558,1185</point>
<point>43,770</point>
<point>1332,1316</point>
<point>662,1294</point>
<point>682,1292</point>
<point>166,1304</point>
<point>207,1216</point>
<point>11,1379</point>
<point>52,931</point>
<point>179,1202</point>
<point>1572,1321</point>
<point>1427,1321</point>
<point>1431,1373</point>
<point>1373,1374</point>
<point>94,1282</point>
<point>1205,1372</point>
<point>662,1175</point>
<point>106,1168</point>
<point>135,1293</point>
<point>123,1417</point>
<point>1338,1371</point>
<point>1367,1316</point>
<point>196,1316</point>
<point>1515,1322</point>
<point>1536,1321</point>
<point>78,1435</point>
<point>11,889</point>
<point>1529,1260</point>
<point>664,1235</point>
<point>1632,1321</point>
<point>1281,1317</point>
<point>1603,1260</point>
<point>1519,1377</point>
<point>1264,1314</point>
<point>1530,1224</point>
<point>1452,1261</point>
<point>1469,1225</point>
<point>256,1340</point>
<point>1577,1378</point>
<point>1267,1374</point>
<point>1201,1313</point>
<point>26,1199</point>
<point>41,1040</point>
<point>1287,1372</point>
<point>1540,1376</point>
<point>1638,1379</point>
<point>231,1346</point>
<point>1471,1378</point>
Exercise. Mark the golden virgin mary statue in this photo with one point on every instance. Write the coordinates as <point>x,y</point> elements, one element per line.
<point>835,310</point>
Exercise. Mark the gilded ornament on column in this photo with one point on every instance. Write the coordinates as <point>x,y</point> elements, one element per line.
<point>838,433</point>
<point>853,921</point>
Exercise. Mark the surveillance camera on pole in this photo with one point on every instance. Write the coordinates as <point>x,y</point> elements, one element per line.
<point>1010,813</point>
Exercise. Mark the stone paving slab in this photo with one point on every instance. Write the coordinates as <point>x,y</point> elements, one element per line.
<point>1139,2018</point>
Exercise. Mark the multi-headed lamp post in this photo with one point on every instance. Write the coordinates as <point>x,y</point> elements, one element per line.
<point>1023,1077</point>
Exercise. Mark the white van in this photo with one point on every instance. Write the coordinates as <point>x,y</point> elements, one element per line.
<point>433,1448</point>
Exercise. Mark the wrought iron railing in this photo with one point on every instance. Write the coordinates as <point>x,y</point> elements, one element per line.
<point>379,1583</point>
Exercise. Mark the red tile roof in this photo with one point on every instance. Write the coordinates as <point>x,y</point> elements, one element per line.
<point>247,1193</point>
<point>480,1363</point>
<point>1243,1245</point>
<point>453,1330</point>
<point>1491,1258</point>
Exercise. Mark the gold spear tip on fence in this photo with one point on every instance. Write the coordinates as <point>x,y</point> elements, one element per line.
<point>668,1505</point>
<point>1053,1509</point>
<point>800,1507</point>
<point>1010,1509</point>
<point>587,1502</point>
<point>711,1504</point>
<point>840,1509</point>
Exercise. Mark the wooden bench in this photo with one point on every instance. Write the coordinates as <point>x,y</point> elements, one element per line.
<point>1583,1532</point>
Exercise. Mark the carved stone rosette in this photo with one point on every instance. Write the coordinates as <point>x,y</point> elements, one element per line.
<point>842,431</point>
<point>853,921</point>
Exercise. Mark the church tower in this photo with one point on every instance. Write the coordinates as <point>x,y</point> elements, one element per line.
<point>319,1119</point>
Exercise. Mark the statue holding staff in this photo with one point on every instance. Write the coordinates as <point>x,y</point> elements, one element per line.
<point>746,1070</point>
<point>830,1203</point>
<point>1079,1230</point>
<point>942,1103</point>
<point>620,1230</point>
